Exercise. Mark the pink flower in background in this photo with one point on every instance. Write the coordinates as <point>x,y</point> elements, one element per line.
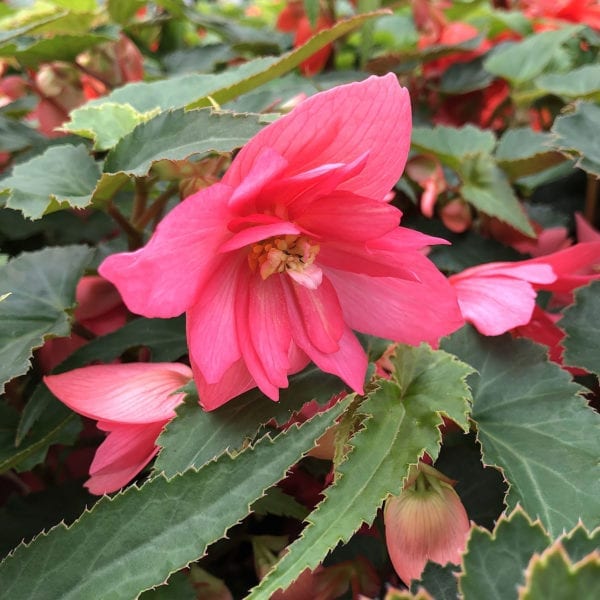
<point>132,403</point>
<point>427,521</point>
<point>497,297</point>
<point>296,247</point>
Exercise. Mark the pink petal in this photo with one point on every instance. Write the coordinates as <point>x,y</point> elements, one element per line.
<point>574,266</point>
<point>267,165</point>
<point>345,216</point>
<point>585,232</point>
<point>337,126</point>
<point>299,191</point>
<point>122,393</point>
<point>95,296</point>
<point>410,312</point>
<point>524,270</point>
<point>211,327</point>
<point>495,304</point>
<point>122,455</point>
<point>319,312</point>
<point>269,327</point>
<point>257,234</point>
<point>268,382</point>
<point>163,278</point>
<point>235,381</point>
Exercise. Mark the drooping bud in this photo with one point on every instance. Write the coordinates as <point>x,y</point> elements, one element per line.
<point>427,521</point>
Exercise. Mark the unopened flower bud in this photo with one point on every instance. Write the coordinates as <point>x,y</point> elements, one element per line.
<point>427,521</point>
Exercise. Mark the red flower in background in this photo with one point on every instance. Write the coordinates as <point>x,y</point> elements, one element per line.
<point>293,19</point>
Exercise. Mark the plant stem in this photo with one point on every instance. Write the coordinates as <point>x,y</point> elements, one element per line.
<point>156,208</point>
<point>133,235</point>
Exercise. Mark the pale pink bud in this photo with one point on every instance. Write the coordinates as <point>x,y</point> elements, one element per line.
<point>427,521</point>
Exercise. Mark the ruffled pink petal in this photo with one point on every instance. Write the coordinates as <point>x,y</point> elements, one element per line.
<point>319,312</point>
<point>495,304</point>
<point>269,327</point>
<point>299,191</point>
<point>122,455</point>
<point>410,312</point>
<point>349,363</point>
<point>211,328</point>
<point>337,126</point>
<point>122,393</point>
<point>346,216</point>
<point>163,278</point>
<point>268,382</point>
<point>257,234</point>
<point>585,232</point>
<point>235,381</point>
<point>267,165</point>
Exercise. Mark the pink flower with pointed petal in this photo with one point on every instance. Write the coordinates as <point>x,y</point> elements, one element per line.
<point>498,297</point>
<point>132,403</point>
<point>296,247</point>
<point>427,521</point>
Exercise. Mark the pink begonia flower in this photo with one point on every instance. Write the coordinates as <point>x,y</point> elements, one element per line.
<point>497,297</point>
<point>132,402</point>
<point>276,264</point>
<point>585,232</point>
<point>427,521</point>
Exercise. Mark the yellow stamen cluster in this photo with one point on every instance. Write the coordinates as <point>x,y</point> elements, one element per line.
<point>279,254</point>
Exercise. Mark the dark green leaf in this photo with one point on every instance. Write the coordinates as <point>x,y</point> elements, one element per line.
<point>42,294</point>
<point>572,136</point>
<point>461,78</point>
<point>494,565</point>
<point>440,582</point>
<point>130,543</point>
<point>179,134</point>
<point>63,176</point>
<point>277,502</point>
<point>15,135</point>
<point>583,82</point>
<point>523,152</point>
<point>580,322</point>
<point>402,420</point>
<point>196,437</point>
<point>534,426</point>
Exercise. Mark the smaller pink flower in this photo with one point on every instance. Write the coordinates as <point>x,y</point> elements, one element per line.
<point>427,521</point>
<point>132,403</point>
<point>496,297</point>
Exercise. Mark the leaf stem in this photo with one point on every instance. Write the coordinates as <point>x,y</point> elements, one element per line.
<point>133,235</point>
<point>156,208</point>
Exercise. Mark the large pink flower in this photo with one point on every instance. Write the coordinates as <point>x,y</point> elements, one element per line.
<point>296,247</point>
<point>132,403</point>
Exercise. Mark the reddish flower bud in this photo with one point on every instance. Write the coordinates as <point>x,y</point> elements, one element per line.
<point>427,521</point>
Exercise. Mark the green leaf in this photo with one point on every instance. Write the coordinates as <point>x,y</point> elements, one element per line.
<point>123,11</point>
<point>534,426</point>
<point>402,420</point>
<point>485,186</point>
<point>59,426</point>
<point>579,542</point>
<point>461,78</point>
<point>311,8</point>
<point>289,61</point>
<point>63,176</point>
<point>179,134</point>
<point>59,47</point>
<point>277,502</point>
<point>197,91</point>
<point>522,152</point>
<point>580,322</point>
<point>494,564</point>
<point>106,124</point>
<point>451,144</point>
<point>553,575</point>
<point>42,294</point>
<point>440,582</point>
<point>15,135</point>
<point>583,82</point>
<point>572,136</point>
<point>130,543</point>
<point>522,61</point>
<point>196,437</point>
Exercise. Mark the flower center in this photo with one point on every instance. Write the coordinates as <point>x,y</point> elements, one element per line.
<point>292,254</point>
